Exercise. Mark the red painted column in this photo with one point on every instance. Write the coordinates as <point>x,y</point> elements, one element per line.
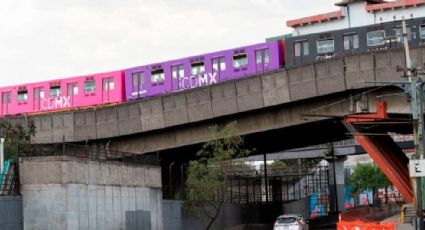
<point>383,150</point>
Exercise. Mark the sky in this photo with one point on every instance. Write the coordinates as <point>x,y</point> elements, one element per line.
<point>49,39</point>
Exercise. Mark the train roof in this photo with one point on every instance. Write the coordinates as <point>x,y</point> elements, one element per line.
<point>215,53</point>
<point>73,78</point>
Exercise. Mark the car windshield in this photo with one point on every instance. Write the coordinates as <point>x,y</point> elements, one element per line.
<point>286,220</point>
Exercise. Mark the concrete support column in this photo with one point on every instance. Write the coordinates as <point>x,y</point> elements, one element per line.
<point>337,183</point>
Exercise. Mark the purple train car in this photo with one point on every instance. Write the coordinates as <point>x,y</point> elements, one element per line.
<point>202,70</point>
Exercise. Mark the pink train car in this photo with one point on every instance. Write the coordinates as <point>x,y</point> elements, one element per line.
<point>63,94</point>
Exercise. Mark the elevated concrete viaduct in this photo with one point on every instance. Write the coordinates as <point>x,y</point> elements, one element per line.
<point>267,107</point>
<point>285,109</point>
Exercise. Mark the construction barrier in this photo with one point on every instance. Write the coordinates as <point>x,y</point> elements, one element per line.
<point>359,225</point>
<point>407,213</point>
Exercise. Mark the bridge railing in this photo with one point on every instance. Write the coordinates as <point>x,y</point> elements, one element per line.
<point>9,186</point>
<point>9,180</point>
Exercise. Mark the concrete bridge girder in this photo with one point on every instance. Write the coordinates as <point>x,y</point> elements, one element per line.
<point>259,103</point>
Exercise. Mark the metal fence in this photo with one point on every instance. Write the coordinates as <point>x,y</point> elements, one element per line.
<point>284,185</point>
<point>85,152</point>
<point>9,181</point>
<point>9,185</point>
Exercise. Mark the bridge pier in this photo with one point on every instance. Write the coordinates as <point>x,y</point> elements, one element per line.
<point>61,192</point>
<point>336,183</point>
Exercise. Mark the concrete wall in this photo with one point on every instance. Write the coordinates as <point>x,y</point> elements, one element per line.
<point>176,218</point>
<point>301,207</point>
<point>69,193</point>
<point>11,212</point>
<point>231,217</point>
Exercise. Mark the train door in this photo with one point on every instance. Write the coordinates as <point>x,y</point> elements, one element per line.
<point>72,91</point>
<point>177,74</point>
<point>38,97</point>
<point>138,85</point>
<point>351,42</point>
<point>107,87</point>
<point>6,99</point>
<point>300,52</point>
<point>262,59</point>
<point>219,66</point>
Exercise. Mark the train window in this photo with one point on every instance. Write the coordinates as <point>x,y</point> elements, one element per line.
<point>90,86</point>
<point>6,97</point>
<point>240,60</point>
<point>157,76</point>
<point>22,96</point>
<point>55,91</point>
<point>422,32</point>
<point>376,38</point>
<point>219,64</point>
<point>351,41</point>
<point>325,46</point>
<point>177,71</point>
<point>399,34</point>
<point>197,68</point>
<point>138,78</point>
<point>72,89</point>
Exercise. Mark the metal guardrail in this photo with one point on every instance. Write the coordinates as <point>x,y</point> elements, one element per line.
<point>85,152</point>
<point>9,185</point>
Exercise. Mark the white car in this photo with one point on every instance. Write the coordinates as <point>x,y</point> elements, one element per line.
<point>290,222</point>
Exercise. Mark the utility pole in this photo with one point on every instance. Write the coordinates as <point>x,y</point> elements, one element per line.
<point>418,122</point>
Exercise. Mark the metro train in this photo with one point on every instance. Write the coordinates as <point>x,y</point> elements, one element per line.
<point>201,70</point>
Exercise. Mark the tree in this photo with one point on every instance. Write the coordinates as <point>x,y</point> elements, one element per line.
<point>208,176</point>
<point>367,177</point>
<point>14,134</point>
